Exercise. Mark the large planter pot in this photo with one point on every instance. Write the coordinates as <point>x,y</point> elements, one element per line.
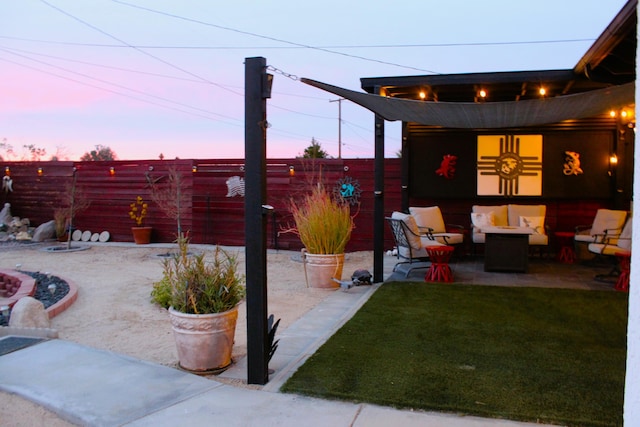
<point>141,235</point>
<point>320,269</point>
<point>204,341</point>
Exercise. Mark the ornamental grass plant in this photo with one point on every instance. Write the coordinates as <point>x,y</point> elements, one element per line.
<point>193,285</point>
<point>323,223</point>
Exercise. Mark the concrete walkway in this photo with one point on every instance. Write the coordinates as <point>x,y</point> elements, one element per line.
<point>93,387</point>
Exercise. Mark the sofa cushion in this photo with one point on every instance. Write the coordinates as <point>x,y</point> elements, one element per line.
<point>414,235</point>
<point>501,217</point>
<point>534,222</point>
<point>538,239</point>
<point>480,220</point>
<point>429,217</point>
<point>516,211</point>
<point>625,237</point>
<point>607,219</point>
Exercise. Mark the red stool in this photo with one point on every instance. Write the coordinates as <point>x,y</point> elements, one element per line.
<point>624,260</point>
<point>565,241</point>
<point>439,271</point>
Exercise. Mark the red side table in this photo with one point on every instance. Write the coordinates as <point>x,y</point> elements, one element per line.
<point>565,242</point>
<point>624,260</point>
<point>439,271</point>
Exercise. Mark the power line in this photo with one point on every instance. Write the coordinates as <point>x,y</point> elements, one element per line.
<point>93,27</point>
<point>364,46</point>
<point>114,91</point>
<point>221,27</point>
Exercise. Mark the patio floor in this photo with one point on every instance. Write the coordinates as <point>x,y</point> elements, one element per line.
<point>543,272</point>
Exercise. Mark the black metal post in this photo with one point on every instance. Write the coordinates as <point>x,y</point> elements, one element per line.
<point>378,206</point>
<point>255,222</point>
<point>404,178</point>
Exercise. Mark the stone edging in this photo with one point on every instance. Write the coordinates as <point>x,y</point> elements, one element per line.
<point>66,301</point>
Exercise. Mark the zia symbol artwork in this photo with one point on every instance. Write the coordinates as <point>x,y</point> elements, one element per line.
<point>510,165</point>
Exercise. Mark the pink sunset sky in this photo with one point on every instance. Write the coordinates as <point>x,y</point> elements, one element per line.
<point>147,77</point>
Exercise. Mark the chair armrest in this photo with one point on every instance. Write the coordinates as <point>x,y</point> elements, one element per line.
<point>582,229</point>
<point>427,231</point>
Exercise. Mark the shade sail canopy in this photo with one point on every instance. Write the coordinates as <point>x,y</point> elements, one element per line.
<point>490,115</point>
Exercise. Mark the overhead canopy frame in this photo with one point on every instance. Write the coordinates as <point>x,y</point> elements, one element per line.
<point>490,115</point>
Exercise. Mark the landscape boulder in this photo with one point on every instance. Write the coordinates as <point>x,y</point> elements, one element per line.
<point>28,312</point>
<point>5,215</point>
<point>44,232</point>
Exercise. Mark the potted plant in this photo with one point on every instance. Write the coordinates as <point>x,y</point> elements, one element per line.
<point>202,298</point>
<point>137,212</point>
<point>324,225</point>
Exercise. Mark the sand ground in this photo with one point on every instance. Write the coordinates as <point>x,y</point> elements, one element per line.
<point>114,311</point>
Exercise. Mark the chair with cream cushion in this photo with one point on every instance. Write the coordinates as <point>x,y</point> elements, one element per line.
<point>430,220</point>
<point>612,245</point>
<point>606,223</point>
<point>410,244</point>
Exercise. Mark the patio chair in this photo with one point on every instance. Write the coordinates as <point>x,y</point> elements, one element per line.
<point>431,222</point>
<point>613,247</point>
<point>607,224</point>
<point>410,244</point>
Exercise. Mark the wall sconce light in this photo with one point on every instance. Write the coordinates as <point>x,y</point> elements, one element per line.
<point>194,168</point>
<point>292,170</point>
<point>112,171</point>
<point>613,163</point>
<point>422,95</point>
<point>542,91</point>
<point>482,93</point>
<point>7,171</point>
<point>40,171</point>
<point>150,168</point>
<point>346,168</point>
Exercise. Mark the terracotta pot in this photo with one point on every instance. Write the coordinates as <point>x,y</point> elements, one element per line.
<point>320,269</point>
<point>141,235</point>
<point>204,341</point>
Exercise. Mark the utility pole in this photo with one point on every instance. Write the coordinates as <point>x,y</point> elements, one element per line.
<point>339,101</point>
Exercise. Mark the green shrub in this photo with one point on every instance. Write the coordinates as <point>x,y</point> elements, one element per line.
<point>193,285</point>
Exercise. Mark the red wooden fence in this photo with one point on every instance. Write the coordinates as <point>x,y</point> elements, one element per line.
<point>213,216</point>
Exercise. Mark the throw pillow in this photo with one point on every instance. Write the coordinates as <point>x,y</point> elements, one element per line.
<point>534,222</point>
<point>414,232</point>
<point>480,220</point>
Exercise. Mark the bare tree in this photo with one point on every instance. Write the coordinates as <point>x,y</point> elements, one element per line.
<point>73,201</point>
<point>170,197</point>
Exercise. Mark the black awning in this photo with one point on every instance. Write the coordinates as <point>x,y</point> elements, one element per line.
<point>490,115</point>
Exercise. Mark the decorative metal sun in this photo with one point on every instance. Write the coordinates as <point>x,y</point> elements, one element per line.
<point>348,189</point>
<point>509,165</point>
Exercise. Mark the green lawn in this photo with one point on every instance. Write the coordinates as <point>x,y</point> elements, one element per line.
<point>536,354</point>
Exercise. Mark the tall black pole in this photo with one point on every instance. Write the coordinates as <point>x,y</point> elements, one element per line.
<point>255,151</point>
<point>378,205</point>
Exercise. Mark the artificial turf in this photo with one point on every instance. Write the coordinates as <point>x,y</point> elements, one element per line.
<point>535,354</point>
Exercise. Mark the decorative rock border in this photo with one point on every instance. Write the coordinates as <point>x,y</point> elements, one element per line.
<point>28,288</point>
<point>66,301</point>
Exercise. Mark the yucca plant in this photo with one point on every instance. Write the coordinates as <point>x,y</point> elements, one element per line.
<point>193,285</point>
<point>323,223</point>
